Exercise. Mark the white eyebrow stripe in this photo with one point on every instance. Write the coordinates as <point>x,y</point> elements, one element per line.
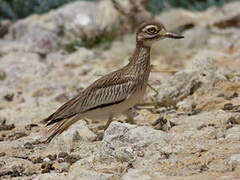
<point>149,26</point>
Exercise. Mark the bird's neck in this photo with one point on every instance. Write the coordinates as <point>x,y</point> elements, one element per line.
<point>141,56</point>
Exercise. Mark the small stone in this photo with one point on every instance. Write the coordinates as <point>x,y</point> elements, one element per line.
<point>2,154</point>
<point>9,97</point>
<point>61,160</point>
<point>4,173</point>
<point>234,95</point>
<point>30,126</point>
<point>76,136</point>
<point>37,160</point>
<point>194,112</point>
<point>17,135</point>
<point>228,106</point>
<point>36,142</point>
<point>203,168</point>
<point>52,157</point>
<point>46,159</point>
<point>140,154</point>
<point>62,154</point>
<point>232,120</point>
<point>221,95</point>
<point>7,127</point>
<point>72,158</point>
<point>4,126</point>
<point>28,145</point>
<point>201,126</point>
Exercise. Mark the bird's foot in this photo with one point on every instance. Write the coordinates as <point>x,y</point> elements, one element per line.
<point>130,121</point>
<point>100,136</point>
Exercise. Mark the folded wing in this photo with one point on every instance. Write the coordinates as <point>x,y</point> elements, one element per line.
<point>103,92</point>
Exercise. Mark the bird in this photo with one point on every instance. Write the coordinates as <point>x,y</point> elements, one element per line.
<point>115,93</point>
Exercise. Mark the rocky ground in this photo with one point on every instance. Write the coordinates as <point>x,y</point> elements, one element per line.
<point>188,130</point>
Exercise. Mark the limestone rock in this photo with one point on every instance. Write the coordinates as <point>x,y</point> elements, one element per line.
<point>43,33</point>
<point>200,75</point>
<point>124,142</point>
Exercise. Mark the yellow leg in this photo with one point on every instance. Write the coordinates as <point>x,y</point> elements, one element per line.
<point>108,122</point>
<point>129,114</point>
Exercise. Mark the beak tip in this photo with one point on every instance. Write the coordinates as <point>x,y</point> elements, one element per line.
<point>181,37</point>
<point>175,36</point>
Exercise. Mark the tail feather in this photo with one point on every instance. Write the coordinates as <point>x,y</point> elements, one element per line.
<point>46,120</point>
<point>60,127</point>
<point>52,119</point>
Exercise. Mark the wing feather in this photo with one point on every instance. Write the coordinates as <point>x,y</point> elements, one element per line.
<point>107,90</point>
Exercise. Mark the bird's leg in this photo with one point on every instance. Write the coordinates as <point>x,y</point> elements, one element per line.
<point>101,134</point>
<point>110,118</point>
<point>129,114</point>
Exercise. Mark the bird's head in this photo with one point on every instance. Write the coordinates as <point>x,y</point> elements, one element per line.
<point>151,32</point>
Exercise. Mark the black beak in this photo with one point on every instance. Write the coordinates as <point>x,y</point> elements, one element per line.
<point>173,36</point>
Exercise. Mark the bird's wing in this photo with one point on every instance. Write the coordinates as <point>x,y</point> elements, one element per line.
<point>106,91</point>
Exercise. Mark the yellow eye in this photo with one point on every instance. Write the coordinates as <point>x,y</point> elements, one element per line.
<point>152,30</point>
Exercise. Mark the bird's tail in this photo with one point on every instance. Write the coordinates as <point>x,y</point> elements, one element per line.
<point>60,127</point>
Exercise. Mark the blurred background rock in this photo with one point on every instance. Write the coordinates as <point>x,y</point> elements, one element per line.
<point>18,9</point>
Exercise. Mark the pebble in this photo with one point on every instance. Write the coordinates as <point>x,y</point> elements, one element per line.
<point>30,126</point>
<point>228,106</point>
<point>62,154</point>
<point>46,159</point>
<point>36,160</point>
<point>9,97</point>
<point>17,135</point>
<point>52,157</point>
<point>28,145</point>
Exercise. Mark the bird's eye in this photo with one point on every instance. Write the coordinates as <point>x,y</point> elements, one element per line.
<point>152,30</point>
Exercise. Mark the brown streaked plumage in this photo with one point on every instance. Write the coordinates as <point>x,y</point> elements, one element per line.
<point>116,92</point>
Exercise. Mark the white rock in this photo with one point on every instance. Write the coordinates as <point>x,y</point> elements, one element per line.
<point>200,75</point>
<point>124,142</point>
<point>40,33</point>
<point>46,159</point>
